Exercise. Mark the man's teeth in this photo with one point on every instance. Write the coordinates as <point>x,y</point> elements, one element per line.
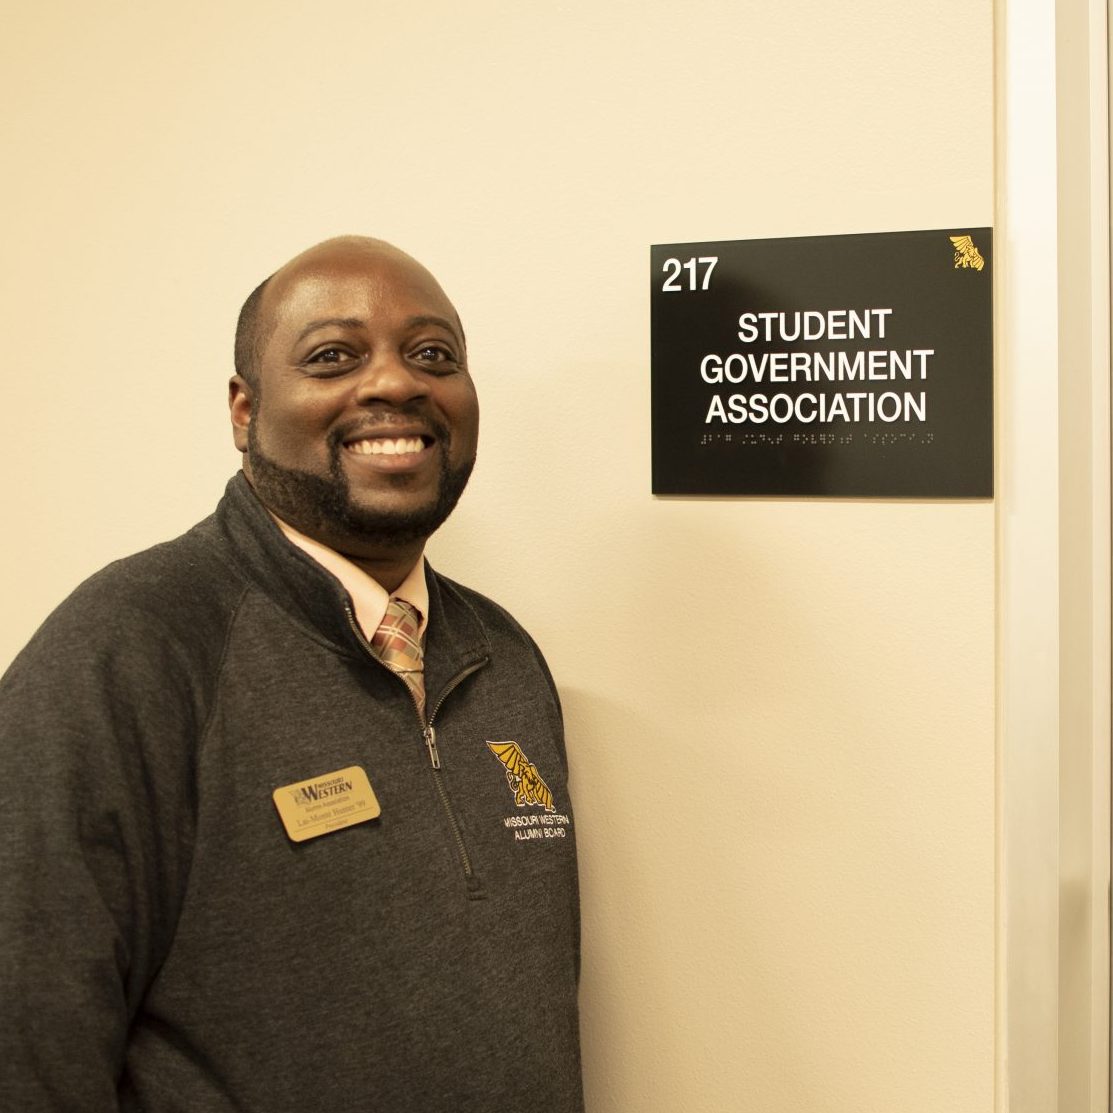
<point>383,447</point>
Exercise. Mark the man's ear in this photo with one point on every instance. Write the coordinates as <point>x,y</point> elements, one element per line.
<point>241,403</point>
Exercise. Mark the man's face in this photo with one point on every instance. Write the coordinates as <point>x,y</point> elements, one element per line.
<point>361,428</point>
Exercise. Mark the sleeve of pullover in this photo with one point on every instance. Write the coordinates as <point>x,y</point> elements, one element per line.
<point>99,718</point>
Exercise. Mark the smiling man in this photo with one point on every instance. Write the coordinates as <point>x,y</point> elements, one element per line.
<point>368,433</point>
<point>287,814</point>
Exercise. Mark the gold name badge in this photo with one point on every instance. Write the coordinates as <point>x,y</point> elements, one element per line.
<point>326,803</point>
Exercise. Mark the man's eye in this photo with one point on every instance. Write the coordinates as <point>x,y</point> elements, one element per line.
<point>329,355</point>
<point>434,353</point>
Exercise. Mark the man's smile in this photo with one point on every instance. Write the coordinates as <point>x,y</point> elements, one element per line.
<point>388,446</point>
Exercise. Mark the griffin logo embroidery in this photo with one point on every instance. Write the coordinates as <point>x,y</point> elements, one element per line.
<point>522,776</point>
<point>966,254</point>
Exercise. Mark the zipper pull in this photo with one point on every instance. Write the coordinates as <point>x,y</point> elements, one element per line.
<point>431,744</point>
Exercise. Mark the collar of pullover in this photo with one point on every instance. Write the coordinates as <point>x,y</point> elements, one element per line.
<point>316,600</point>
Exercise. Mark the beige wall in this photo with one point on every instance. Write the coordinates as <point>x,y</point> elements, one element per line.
<point>786,809</point>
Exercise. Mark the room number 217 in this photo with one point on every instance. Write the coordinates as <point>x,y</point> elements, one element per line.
<point>674,267</point>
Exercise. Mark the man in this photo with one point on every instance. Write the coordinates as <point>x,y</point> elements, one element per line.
<point>261,851</point>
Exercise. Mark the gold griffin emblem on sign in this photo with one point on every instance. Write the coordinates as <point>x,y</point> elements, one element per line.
<point>966,254</point>
<point>522,776</point>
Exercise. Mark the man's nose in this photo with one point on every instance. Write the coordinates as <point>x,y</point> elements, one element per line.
<point>387,377</point>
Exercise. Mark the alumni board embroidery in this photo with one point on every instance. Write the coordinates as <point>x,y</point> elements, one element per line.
<point>522,776</point>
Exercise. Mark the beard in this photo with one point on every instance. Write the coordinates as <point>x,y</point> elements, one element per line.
<point>322,507</point>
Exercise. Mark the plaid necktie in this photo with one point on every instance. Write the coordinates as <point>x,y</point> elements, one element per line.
<point>397,643</point>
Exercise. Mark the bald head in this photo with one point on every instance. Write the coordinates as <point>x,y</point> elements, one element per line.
<point>256,314</point>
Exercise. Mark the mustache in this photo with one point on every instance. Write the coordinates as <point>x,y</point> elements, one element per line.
<point>381,418</point>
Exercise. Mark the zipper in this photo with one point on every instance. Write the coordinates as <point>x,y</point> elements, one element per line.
<point>429,735</point>
<point>431,745</point>
<point>427,729</point>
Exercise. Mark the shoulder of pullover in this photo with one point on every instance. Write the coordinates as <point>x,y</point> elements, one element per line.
<point>129,663</point>
<point>169,603</point>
